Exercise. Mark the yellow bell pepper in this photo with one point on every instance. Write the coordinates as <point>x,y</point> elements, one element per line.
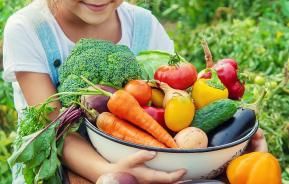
<point>206,91</point>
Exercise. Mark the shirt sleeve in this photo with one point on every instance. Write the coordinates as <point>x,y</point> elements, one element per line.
<point>160,40</point>
<point>22,50</point>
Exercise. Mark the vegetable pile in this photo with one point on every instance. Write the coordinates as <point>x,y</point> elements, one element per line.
<point>155,99</point>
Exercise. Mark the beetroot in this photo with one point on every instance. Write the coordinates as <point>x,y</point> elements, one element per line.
<point>117,178</point>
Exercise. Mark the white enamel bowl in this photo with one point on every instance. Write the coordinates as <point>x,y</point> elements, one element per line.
<point>200,163</point>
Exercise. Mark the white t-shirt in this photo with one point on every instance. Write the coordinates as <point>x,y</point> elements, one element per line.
<point>22,50</point>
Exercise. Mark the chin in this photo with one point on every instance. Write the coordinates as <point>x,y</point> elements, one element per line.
<point>97,17</point>
<point>95,20</point>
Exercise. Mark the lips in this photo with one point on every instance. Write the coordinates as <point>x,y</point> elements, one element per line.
<point>96,7</point>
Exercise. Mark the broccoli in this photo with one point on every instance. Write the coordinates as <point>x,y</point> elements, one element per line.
<point>101,62</point>
<point>72,84</point>
<point>117,73</point>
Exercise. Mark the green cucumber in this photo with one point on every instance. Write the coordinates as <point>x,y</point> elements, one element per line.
<point>214,114</point>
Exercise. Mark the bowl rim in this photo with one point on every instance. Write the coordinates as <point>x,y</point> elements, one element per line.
<point>172,150</point>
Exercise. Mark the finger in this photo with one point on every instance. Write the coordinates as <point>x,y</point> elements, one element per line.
<point>263,147</point>
<point>138,158</point>
<point>260,145</point>
<point>259,134</point>
<point>153,176</point>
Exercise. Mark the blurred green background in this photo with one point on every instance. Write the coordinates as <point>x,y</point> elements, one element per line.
<point>254,32</point>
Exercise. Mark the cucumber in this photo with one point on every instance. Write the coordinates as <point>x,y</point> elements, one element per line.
<point>214,114</point>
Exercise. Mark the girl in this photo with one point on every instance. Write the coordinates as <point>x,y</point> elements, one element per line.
<point>39,37</point>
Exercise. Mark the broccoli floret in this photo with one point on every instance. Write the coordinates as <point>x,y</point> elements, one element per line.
<point>71,84</point>
<point>83,64</point>
<point>85,44</point>
<point>101,62</point>
<point>121,68</point>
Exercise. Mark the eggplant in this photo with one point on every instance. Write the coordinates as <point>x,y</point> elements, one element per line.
<point>235,128</point>
<point>96,103</point>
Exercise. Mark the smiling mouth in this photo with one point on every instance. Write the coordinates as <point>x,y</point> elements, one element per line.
<point>95,7</point>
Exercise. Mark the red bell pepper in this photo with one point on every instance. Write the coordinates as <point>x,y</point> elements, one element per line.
<point>227,70</point>
<point>157,113</point>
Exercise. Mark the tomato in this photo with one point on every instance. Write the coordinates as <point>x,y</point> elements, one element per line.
<point>140,90</point>
<point>273,84</point>
<point>259,80</point>
<point>157,97</point>
<point>179,76</point>
<point>179,113</point>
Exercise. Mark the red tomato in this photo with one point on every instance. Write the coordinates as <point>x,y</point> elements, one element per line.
<point>180,76</point>
<point>140,90</point>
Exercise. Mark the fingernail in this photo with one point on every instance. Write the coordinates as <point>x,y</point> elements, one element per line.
<point>152,153</point>
<point>183,171</point>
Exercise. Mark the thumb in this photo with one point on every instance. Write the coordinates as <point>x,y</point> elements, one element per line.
<point>138,158</point>
<point>106,179</point>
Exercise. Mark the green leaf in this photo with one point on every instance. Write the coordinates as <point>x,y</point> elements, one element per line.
<point>3,167</point>
<point>36,161</point>
<point>55,179</point>
<point>60,144</point>
<point>285,7</point>
<point>150,61</point>
<point>32,145</point>
<point>28,175</point>
<point>33,119</point>
<point>49,166</point>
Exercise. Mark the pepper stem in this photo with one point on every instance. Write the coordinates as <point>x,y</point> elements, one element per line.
<point>214,81</point>
<point>208,54</point>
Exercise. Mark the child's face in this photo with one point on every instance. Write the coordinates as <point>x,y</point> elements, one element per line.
<point>92,11</point>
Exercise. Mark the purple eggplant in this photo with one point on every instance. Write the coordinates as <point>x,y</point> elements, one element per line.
<point>235,128</point>
<point>96,103</point>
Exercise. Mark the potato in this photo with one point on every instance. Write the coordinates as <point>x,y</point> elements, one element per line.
<point>191,138</point>
<point>117,178</point>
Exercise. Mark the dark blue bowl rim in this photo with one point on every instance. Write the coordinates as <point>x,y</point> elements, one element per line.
<point>171,150</point>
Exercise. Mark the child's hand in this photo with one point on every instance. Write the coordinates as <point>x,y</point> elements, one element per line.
<point>134,165</point>
<point>258,142</point>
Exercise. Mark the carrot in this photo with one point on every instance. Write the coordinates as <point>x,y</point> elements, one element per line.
<point>125,106</point>
<point>118,128</point>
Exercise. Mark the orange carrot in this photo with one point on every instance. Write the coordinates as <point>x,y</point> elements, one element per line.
<point>118,128</point>
<point>125,106</point>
